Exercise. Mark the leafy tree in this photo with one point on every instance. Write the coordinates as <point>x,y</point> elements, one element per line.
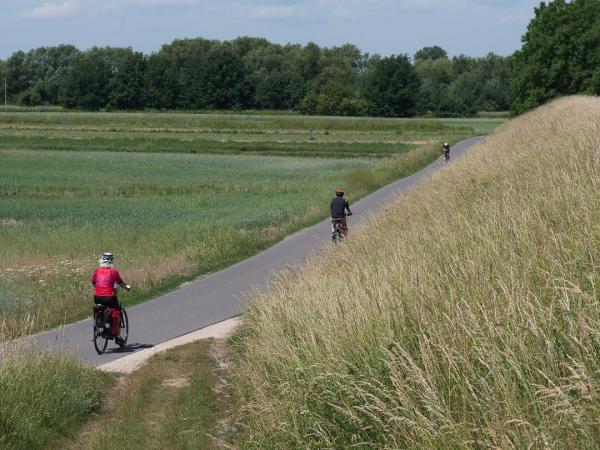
<point>264,58</point>
<point>162,81</point>
<point>127,86</point>
<point>255,73</point>
<point>392,87</point>
<point>494,77</point>
<point>463,85</point>
<point>54,63</point>
<point>86,84</point>
<point>308,61</point>
<point>334,92</point>
<point>30,97</point>
<point>560,54</point>
<point>105,77</point>
<point>336,89</point>
<point>223,78</point>
<point>3,76</point>
<point>431,54</point>
<point>243,46</point>
<point>278,90</point>
<point>436,77</point>
<point>189,57</point>
<point>19,74</point>
<point>34,77</point>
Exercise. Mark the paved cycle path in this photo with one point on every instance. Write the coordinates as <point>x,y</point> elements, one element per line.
<point>221,295</point>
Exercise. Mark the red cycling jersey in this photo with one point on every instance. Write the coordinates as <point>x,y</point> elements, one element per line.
<point>104,280</point>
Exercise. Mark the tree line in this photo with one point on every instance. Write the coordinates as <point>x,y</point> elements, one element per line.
<point>560,56</point>
<point>253,73</point>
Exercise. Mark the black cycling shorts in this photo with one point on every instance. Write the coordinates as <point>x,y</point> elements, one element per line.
<point>110,302</point>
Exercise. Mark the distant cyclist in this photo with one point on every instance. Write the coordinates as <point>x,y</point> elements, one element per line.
<point>339,206</point>
<point>105,278</point>
<point>446,150</point>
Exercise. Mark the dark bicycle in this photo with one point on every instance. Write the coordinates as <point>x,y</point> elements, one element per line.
<point>338,229</point>
<point>103,327</point>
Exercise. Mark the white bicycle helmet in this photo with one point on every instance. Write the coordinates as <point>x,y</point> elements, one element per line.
<point>107,259</point>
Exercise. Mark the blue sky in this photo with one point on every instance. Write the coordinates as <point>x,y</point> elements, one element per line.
<point>472,27</point>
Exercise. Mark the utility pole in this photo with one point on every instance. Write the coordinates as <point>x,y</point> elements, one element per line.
<point>5,84</point>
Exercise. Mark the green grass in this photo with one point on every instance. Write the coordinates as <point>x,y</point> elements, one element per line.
<point>482,125</point>
<point>44,397</point>
<point>30,109</point>
<point>236,134</point>
<point>233,121</point>
<point>174,195</point>
<point>168,142</point>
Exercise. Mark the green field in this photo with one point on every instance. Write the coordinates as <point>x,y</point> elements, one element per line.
<point>188,133</point>
<point>175,195</point>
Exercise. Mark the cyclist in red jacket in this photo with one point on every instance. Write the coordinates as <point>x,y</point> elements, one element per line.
<point>105,278</point>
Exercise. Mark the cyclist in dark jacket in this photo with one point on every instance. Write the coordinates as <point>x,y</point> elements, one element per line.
<point>339,206</point>
<point>446,150</point>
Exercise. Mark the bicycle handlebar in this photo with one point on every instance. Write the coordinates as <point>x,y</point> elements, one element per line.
<point>127,287</point>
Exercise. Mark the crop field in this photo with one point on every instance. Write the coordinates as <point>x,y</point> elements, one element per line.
<point>174,195</point>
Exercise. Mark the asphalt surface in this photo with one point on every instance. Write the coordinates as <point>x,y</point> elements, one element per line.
<point>221,295</point>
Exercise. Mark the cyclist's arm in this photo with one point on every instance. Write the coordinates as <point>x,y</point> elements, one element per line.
<point>124,285</point>
<point>121,283</point>
<point>348,208</point>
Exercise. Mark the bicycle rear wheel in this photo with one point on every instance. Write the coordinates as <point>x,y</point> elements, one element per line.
<point>100,343</point>
<point>124,327</point>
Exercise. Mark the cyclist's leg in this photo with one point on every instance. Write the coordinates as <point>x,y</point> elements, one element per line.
<point>344,226</point>
<point>104,301</point>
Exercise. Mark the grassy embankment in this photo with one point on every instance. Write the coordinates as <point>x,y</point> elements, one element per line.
<point>42,397</point>
<point>74,184</point>
<point>465,316</point>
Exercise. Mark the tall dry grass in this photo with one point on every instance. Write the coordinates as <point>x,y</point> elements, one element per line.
<point>465,316</point>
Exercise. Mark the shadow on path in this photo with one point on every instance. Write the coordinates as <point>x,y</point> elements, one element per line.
<point>129,348</point>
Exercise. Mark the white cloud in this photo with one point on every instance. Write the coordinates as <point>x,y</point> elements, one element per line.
<point>50,10</point>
